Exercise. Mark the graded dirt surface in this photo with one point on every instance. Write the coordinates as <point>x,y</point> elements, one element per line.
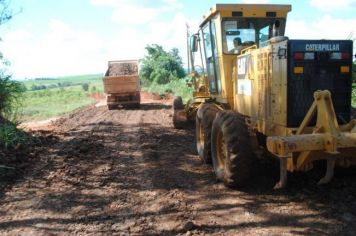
<point>129,172</point>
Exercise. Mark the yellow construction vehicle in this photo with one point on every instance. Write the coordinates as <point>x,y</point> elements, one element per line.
<point>257,88</point>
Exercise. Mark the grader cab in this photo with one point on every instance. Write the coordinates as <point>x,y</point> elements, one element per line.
<point>262,89</point>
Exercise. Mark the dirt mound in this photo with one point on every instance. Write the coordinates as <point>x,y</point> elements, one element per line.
<point>77,118</point>
<point>16,161</point>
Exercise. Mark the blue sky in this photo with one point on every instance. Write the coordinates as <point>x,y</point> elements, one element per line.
<point>55,38</point>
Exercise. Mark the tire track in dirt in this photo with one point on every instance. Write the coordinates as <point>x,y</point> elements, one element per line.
<point>129,172</point>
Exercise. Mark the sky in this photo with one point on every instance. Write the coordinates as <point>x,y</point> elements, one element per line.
<point>49,38</point>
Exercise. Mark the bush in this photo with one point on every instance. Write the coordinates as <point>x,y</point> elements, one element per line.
<point>85,87</point>
<point>38,87</point>
<point>10,93</point>
<point>10,136</point>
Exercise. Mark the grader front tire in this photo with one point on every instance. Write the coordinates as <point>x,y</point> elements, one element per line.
<point>178,103</point>
<point>178,106</point>
<point>232,155</point>
<point>203,122</point>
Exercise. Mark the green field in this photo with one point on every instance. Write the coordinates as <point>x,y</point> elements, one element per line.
<point>94,80</point>
<point>47,98</point>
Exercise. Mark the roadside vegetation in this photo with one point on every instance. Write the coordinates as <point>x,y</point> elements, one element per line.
<point>162,72</point>
<point>10,97</point>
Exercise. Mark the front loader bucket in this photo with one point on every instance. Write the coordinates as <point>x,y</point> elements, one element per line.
<point>326,141</point>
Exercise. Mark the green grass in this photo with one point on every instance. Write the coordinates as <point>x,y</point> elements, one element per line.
<point>10,135</point>
<point>48,103</point>
<point>176,87</point>
<point>57,100</point>
<point>74,80</point>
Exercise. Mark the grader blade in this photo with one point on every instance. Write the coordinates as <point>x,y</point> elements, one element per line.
<point>330,165</point>
<point>328,141</point>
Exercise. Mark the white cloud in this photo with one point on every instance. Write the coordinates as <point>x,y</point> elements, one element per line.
<point>124,16</point>
<point>147,25</point>
<point>137,12</point>
<point>323,28</point>
<point>59,51</point>
<point>140,3</point>
<point>332,5</point>
<point>64,50</point>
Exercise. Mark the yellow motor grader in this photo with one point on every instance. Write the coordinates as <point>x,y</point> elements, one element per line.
<point>258,88</point>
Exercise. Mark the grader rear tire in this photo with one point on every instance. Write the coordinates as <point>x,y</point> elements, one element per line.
<point>203,122</point>
<point>232,155</point>
<point>177,106</point>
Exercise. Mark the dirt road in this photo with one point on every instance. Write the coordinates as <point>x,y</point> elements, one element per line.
<point>128,172</point>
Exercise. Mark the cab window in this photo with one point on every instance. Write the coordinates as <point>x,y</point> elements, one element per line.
<point>237,36</point>
<point>264,35</point>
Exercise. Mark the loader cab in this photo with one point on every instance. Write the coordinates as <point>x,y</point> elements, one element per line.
<point>229,30</point>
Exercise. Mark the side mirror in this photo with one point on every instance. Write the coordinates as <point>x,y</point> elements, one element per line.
<point>194,43</point>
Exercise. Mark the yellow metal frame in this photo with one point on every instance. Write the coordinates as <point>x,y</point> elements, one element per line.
<point>327,140</point>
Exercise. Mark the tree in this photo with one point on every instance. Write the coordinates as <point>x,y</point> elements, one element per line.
<point>85,87</point>
<point>160,66</point>
<point>10,90</point>
<point>5,12</point>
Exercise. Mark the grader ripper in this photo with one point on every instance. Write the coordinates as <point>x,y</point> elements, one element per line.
<point>257,88</point>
